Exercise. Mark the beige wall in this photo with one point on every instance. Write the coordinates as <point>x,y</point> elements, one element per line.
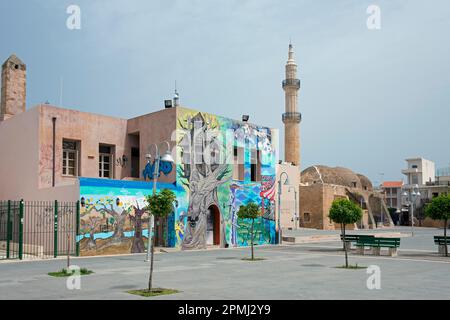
<point>26,144</point>
<point>153,128</point>
<point>19,168</point>
<point>288,208</point>
<point>316,200</point>
<point>91,130</point>
<point>19,155</point>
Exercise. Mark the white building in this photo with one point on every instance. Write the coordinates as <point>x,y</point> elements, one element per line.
<point>420,172</point>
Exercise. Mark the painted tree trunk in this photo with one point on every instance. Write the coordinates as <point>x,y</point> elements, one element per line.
<point>91,242</point>
<point>138,245</point>
<point>118,234</point>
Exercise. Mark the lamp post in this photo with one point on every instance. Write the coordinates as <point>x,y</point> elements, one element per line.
<point>413,195</point>
<point>381,199</point>
<point>286,182</point>
<point>167,157</point>
<point>295,208</point>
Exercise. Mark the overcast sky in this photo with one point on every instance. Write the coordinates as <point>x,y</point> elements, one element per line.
<point>369,98</point>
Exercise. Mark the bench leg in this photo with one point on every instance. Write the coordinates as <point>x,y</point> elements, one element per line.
<point>393,252</point>
<point>360,250</point>
<point>441,249</point>
<point>376,251</point>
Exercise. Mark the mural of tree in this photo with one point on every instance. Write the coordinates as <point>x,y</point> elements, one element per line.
<point>106,207</point>
<point>138,245</point>
<point>202,179</point>
<point>90,225</point>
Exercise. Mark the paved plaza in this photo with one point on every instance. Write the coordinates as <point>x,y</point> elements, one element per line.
<point>298,271</point>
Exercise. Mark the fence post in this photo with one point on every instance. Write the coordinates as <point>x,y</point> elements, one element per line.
<point>21,230</point>
<point>55,233</point>
<point>77,230</point>
<point>8,230</point>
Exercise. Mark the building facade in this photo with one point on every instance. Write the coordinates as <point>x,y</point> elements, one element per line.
<point>393,193</point>
<point>54,153</point>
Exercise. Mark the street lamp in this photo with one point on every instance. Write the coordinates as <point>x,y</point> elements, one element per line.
<point>167,157</point>
<point>295,203</point>
<point>286,182</point>
<point>381,199</point>
<point>413,195</point>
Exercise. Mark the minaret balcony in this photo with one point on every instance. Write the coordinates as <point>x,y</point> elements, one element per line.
<point>291,83</point>
<point>292,117</point>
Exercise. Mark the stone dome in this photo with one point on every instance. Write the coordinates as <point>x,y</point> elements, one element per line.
<point>338,176</point>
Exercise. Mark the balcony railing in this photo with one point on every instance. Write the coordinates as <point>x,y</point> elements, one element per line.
<point>291,83</point>
<point>292,117</point>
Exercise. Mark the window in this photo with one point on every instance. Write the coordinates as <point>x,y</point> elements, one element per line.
<point>306,217</point>
<point>414,166</point>
<point>238,163</point>
<point>70,158</point>
<point>255,168</point>
<point>414,179</point>
<point>198,142</point>
<point>394,203</point>
<point>105,162</point>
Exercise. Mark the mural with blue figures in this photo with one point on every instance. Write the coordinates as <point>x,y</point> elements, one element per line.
<point>113,219</point>
<point>164,167</point>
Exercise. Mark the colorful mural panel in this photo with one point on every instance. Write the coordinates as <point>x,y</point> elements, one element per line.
<point>113,219</point>
<point>205,145</point>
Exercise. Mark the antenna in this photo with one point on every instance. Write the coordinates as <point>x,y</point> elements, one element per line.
<point>61,84</point>
<point>176,96</point>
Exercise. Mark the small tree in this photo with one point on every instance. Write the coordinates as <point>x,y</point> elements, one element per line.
<point>159,205</point>
<point>344,212</point>
<point>250,211</point>
<point>439,209</point>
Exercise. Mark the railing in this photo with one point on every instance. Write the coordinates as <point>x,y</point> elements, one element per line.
<point>291,83</point>
<point>292,116</point>
<point>38,229</point>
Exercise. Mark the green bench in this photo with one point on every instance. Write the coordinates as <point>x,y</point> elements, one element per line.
<point>354,238</point>
<point>440,241</point>
<point>377,243</point>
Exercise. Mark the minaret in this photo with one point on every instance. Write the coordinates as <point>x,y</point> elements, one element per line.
<point>291,117</point>
<point>13,90</point>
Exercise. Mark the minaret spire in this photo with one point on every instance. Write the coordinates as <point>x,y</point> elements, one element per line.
<point>291,117</point>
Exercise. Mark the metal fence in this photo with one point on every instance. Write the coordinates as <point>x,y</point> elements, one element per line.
<point>38,229</point>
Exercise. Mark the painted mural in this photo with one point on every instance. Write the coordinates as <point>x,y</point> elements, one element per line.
<point>113,219</point>
<point>112,216</point>
<point>205,146</point>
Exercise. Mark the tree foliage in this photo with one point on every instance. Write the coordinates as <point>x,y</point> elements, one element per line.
<point>161,203</point>
<point>249,211</point>
<point>439,208</point>
<point>345,211</point>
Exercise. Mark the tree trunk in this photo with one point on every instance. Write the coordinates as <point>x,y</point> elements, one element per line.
<point>151,261</point>
<point>345,247</point>
<point>445,238</point>
<point>251,240</point>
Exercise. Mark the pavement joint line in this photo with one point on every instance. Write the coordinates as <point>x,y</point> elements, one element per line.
<point>334,247</point>
<point>365,256</point>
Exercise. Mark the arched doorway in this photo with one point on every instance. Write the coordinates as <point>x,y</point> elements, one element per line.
<point>213,226</point>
